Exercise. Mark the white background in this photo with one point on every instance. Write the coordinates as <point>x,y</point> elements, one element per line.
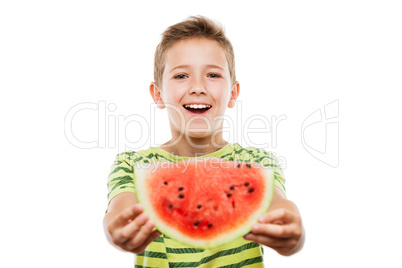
<point>292,58</point>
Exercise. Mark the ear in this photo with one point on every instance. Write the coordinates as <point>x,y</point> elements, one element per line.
<point>234,95</point>
<point>156,95</point>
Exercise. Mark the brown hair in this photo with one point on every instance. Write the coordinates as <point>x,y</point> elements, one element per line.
<point>194,26</point>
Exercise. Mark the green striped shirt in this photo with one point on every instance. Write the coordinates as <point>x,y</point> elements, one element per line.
<point>166,252</point>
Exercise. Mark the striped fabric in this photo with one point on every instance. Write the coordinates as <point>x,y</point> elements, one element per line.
<point>166,252</point>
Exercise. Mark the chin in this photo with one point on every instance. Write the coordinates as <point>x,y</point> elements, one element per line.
<point>198,134</point>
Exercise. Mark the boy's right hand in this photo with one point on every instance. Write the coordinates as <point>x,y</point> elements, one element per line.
<point>130,229</point>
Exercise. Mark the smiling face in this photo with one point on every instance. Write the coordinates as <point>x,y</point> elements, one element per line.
<point>196,88</point>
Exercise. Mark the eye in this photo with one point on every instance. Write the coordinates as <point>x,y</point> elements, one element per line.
<point>180,76</point>
<point>214,75</point>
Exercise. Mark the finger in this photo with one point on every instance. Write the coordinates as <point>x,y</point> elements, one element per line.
<point>141,236</point>
<point>127,214</point>
<point>281,215</point>
<point>135,225</point>
<point>155,234</point>
<point>274,230</point>
<point>128,231</point>
<point>266,240</point>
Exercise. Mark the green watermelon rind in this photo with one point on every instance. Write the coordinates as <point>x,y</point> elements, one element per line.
<point>141,171</point>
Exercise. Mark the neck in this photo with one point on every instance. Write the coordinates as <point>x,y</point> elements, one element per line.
<point>192,147</point>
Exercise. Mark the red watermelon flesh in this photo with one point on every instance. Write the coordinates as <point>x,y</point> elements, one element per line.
<point>204,202</point>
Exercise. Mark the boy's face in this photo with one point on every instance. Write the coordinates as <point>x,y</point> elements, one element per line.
<point>196,72</point>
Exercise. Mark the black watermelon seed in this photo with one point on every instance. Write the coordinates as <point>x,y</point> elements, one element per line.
<point>238,165</point>
<point>170,206</point>
<point>165,183</point>
<point>248,165</point>
<point>251,190</point>
<point>210,225</point>
<point>246,184</point>
<point>199,206</point>
<point>181,189</point>
<point>181,196</point>
<point>231,187</point>
<point>229,195</point>
<point>196,223</point>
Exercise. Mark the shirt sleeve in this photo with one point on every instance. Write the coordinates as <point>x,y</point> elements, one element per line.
<point>268,159</point>
<point>121,177</point>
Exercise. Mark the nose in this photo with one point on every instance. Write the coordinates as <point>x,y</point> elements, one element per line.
<point>198,88</point>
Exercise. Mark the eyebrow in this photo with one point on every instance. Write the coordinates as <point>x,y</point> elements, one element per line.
<point>188,66</point>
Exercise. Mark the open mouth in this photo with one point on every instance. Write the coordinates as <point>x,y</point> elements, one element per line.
<point>197,109</point>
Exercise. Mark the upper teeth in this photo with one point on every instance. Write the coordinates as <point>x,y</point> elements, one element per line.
<point>197,106</point>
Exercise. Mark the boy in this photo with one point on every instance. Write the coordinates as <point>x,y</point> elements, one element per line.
<point>195,80</point>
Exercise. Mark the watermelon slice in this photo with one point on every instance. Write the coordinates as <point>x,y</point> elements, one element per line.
<point>204,202</point>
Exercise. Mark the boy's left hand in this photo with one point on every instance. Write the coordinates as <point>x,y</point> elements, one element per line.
<point>280,228</point>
